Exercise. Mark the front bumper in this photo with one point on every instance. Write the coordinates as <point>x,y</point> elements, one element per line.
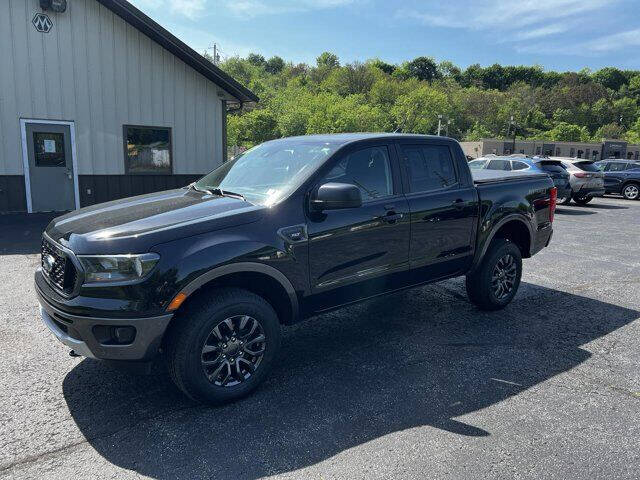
<point>80,333</point>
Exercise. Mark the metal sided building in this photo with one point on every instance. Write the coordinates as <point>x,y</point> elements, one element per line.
<point>98,101</point>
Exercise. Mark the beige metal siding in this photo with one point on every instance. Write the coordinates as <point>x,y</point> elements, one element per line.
<point>95,69</point>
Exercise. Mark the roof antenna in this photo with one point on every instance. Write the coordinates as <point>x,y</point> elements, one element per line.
<point>398,130</point>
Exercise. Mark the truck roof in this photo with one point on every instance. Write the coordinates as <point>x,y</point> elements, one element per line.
<point>343,138</point>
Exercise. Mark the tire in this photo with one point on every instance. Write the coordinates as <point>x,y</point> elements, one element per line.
<point>565,200</point>
<point>204,325</point>
<point>582,200</point>
<point>631,191</point>
<point>482,290</point>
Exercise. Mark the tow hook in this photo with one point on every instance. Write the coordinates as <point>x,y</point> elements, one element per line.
<point>73,354</point>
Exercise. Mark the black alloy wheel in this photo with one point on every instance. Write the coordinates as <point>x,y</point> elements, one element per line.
<point>233,350</point>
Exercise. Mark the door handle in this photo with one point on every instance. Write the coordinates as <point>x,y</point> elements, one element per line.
<point>458,203</point>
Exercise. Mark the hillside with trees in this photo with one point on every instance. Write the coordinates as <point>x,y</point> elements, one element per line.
<point>375,96</point>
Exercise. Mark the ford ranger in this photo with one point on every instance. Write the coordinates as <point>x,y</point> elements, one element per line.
<point>204,276</point>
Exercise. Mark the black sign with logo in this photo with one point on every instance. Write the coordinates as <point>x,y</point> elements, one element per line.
<point>42,22</point>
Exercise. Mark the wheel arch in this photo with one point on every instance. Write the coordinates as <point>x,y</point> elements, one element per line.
<point>261,279</point>
<point>629,181</point>
<point>514,228</point>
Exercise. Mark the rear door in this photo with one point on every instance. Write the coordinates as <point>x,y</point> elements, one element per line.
<point>443,209</point>
<point>614,173</point>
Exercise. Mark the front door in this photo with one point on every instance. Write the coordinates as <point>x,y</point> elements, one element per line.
<point>353,252</point>
<point>50,167</point>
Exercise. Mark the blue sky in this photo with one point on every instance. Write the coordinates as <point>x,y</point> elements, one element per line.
<point>557,34</point>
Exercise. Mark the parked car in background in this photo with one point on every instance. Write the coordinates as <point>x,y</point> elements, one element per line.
<point>586,180</point>
<point>553,168</point>
<point>622,177</point>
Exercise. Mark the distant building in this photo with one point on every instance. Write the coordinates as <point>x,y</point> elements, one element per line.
<point>595,151</point>
<point>98,101</point>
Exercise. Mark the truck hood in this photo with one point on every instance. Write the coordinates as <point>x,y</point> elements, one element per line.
<point>135,224</point>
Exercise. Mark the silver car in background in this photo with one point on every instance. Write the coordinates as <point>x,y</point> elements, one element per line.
<point>586,180</point>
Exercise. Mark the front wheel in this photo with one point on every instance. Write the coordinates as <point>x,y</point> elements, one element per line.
<point>495,282</point>
<point>222,346</point>
<point>582,200</point>
<point>631,191</point>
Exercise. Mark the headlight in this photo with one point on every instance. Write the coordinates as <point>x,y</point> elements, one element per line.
<point>117,268</point>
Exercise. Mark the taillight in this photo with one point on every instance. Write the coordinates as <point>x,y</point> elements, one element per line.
<point>580,175</point>
<point>552,202</point>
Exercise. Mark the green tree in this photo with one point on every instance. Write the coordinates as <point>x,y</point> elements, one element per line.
<point>274,65</point>
<point>610,77</point>
<point>418,110</point>
<point>567,132</point>
<point>383,66</point>
<point>422,68</point>
<point>633,134</point>
<point>351,79</point>
<point>256,59</point>
<point>478,132</point>
<point>611,130</point>
<point>328,60</point>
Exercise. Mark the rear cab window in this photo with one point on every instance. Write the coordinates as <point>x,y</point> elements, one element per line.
<point>429,167</point>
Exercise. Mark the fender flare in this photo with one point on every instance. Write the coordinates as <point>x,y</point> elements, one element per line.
<point>242,267</point>
<point>494,230</point>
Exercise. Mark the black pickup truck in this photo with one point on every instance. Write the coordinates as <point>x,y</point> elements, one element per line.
<point>205,276</point>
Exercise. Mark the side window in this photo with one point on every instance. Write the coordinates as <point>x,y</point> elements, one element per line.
<point>430,167</point>
<point>369,169</point>
<point>617,167</point>
<point>499,165</point>
<point>519,166</point>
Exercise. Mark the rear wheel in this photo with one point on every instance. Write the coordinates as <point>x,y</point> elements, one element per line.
<point>495,282</point>
<point>581,200</point>
<point>222,346</point>
<point>631,191</point>
<point>565,199</point>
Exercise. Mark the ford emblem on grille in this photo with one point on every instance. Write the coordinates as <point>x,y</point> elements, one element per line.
<point>47,262</point>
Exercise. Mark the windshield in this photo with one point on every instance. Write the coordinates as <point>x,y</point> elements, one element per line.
<point>477,164</point>
<point>270,171</point>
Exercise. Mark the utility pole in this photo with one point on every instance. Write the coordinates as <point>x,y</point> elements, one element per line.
<point>439,124</point>
<point>448,123</point>
<point>513,124</point>
<point>216,55</point>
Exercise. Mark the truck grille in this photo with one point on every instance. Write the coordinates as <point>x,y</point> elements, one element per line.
<point>57,267</point>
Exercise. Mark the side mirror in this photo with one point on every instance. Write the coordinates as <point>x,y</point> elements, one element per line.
<point>335,196</point>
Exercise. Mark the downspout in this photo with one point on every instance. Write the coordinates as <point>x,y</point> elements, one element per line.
<point>226,110</point>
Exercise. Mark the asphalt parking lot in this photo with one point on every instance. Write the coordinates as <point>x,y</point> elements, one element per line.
<point>416,385</point>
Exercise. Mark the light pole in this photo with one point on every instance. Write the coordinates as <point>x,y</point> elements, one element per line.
<point>439,124</point>
<point>448,123</point>
<point>512,124</point>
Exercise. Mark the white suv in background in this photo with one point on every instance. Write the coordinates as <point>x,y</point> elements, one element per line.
<point>586,180</point>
